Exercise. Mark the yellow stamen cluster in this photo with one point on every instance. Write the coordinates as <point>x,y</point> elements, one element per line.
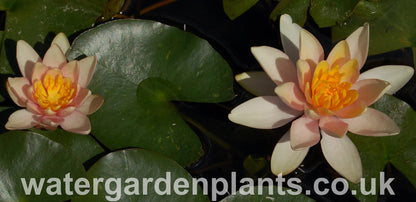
<point>53,93</point>
<point>327,91</point>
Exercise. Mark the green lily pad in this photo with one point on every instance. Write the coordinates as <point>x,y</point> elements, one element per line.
<point>392,24</point>
<point>399,150</point>
<point>6,4</point>
<point>297,9</point>
<point>30,155</point>
<point>32,21</point>
<point>131,167</point>
<point>82,146</point>
<point>235,8</point>
<point>327,13</point>
<point>142,65</point>
<point>275,194</point>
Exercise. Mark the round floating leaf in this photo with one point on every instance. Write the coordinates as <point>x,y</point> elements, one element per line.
<point>235,8</point>
<point>399,150</point>
<point>30,155</point>
<point>125,173</point>
<point>328,13</point>
<point>260,194</point>
<point>297,9</point>
<point>141,66</point>
<point>82,146</point>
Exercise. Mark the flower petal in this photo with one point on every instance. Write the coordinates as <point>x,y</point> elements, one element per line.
<point>86,70</point>
<point>350,71</point>
<point>21,119</point>
<point>372,123</point>
<point>275,63</point>
<point>82,93</point>
<point>370,90</point>
<point>26,58</point>
<point>17,88</point>
<point>257,83</point>
<point>264,112</point>
<point>304,73</point>
<point>290,94</point>
<point>333,126</point>
<point>77,122</point>
<point>310,48</point>
<point>289,33</point>
<point>91,104</point>
<point>339,55</point>
<point>54,57</point>
<point>353,110</point>
<point>62,41</point>
<point>396,75</point>
<point>284,159</point>
<point>38,71</point>
<point>34,108</point>
<point>66,111</point>
<point>343,156</point>
<point>304,132</point>
<point>71,70</point>
<point>358,43</point>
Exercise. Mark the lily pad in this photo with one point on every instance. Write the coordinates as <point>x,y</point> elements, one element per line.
<point>399,150</point>
<point>235,8</point>
<point>392,24</point>
<point>297,9</point>
<point>275,194</point>
<point>142,65</point>
<point>132,167</point>
<point>82,146</point>
<point>327,13</point>
<point>30,155</point>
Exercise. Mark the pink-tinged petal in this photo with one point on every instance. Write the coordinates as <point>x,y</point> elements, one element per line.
<point>86,70</point>
<point>21,119</point>
<point>53,72</point>
<point>257,83</point>
<point>358,43</point>
<point>62,41</point>
<point>350,71</point>
<point>289,33</point>
<point>82,93</point>
<point>333,126</point>
<point>304,133</point>
<point>304,73</point>
<point>284,159</point>
<point>264,112</point>
<point>339,55</point>
<point>26,58</point>
<point>370,90</point>
<point>275,63</point>
<point>49,124</point>
<point>66,111</point>
<point>34,108</point>
<point>71,70</point>
<point>17,88</point>
<point>77,122</point>
<point>353,110</point>
<point>396,75</point>
<point>38,71</point>
<point>310,49</point>
<point>290,94</point>
<point>343,156</point>
<point>91,104</point>
<point>372,123</point>
<point>54,57</point>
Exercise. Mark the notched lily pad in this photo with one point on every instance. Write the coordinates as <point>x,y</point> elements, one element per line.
<point>142,65</point>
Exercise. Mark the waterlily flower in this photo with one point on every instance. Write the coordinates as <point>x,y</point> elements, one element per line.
<point>53,91</point>
<point>326,98</point>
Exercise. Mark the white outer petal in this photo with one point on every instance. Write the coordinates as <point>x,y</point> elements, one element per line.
<point>342,155</point>
<point>289,33</point>
<point>284,159</point>
<point>396,75</point>
<point>264,112</point>
<point>358,43</point>
<point>257,83</point>
<point>62,41</point>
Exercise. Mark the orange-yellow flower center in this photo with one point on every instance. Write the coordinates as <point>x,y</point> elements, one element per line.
<point>54,92</point>
<point>327,90</point>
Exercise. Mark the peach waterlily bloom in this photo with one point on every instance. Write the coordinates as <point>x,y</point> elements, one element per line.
<point>326,97</point>
<point>53,91</point>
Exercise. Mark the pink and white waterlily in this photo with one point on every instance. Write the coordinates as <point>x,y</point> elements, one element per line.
<point>326,98</point>
<point>53,91</point>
